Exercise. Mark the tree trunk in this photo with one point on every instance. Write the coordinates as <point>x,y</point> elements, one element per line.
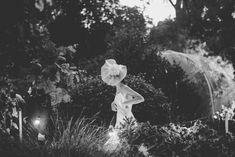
<point>180,12</point>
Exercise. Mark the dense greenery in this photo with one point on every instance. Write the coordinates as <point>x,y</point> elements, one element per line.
<point>197,138</point>
<point>94,97</point>
<point>211,21</point>
<point>51,52</point>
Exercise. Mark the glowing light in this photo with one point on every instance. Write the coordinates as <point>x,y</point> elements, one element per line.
<point>143,149</point>
<point>41,137</point>
<point>36,122</point>
<point>113,141</point>
<point>233,15</point>
<point>113,133</point>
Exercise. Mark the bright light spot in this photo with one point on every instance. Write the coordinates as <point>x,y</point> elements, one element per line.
<point>205,9</point>
<point>158,10</point>
<point>41,137</point>
<point>113,137</point>
<point>36,122</point>
<point>113,141</point>
<point>233,15</point>
<point>113,133</point>
<point>143,149</point>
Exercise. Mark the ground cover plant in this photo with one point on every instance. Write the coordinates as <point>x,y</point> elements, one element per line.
<point>205,137</point>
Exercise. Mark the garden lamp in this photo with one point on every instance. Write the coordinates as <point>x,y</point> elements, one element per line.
<point>36,122</point>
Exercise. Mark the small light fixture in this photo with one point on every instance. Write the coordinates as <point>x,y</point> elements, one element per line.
<point>113,133</point>
<point>36,122</point>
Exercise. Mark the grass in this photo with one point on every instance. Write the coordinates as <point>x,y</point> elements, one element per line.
<point>84,138</point>
<point>80,139</point>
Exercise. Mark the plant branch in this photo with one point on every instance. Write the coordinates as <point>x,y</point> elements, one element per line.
<point>172,3</point>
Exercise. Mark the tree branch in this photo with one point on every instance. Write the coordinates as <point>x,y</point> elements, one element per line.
<point>172,3</point>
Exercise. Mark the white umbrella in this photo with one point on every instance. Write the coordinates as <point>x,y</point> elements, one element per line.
<point>217,78</point>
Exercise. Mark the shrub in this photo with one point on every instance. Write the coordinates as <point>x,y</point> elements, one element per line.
<point>82,138</point>
<point>85,138</point>
<point>94,96</point>
<point>194,140</point>
<point>171,79</point>
<point>155,108</point>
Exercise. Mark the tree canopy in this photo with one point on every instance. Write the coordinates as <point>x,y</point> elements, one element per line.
<point>211,21</point>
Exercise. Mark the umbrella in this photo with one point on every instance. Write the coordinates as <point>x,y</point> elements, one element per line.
<point>215,80</point>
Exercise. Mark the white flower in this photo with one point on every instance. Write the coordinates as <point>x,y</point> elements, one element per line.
<point>143,149</point>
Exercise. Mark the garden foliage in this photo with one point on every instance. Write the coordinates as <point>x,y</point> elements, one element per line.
<point>203,137</point>
<point>50,58</point>
<point>93,96</point>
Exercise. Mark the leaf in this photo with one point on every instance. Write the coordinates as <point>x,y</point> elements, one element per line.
<point>39,4</point>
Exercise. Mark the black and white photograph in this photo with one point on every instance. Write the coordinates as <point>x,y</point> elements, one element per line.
<point>117,78</point>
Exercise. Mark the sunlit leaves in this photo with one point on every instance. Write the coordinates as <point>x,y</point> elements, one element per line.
<point>39,4</point>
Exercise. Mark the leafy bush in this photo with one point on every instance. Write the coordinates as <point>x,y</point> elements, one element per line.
<point>184,140</point>
<point>167,35</point>
<point>159,74</point>
<point>82,138</point>
<point>174,83</point>
<point>155,108</point>
<point>85,138</point>
<point>94,96</point>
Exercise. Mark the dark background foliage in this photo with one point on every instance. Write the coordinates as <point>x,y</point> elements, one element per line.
<point>93,97</point>
<point>50,61</point>
<point>36,43</point>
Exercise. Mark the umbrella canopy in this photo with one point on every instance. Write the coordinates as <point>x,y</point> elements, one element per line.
<point>214,80</point>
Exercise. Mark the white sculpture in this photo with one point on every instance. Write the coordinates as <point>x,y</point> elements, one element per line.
<point>125,97</point>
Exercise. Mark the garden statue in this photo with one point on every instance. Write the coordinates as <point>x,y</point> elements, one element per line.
<point>125,97</point>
